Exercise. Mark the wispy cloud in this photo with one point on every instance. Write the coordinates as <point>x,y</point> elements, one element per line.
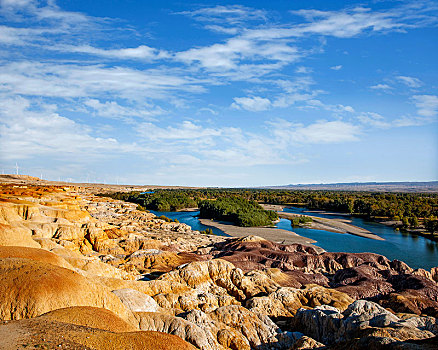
<point>410,81</point>
<point>374,120</point>
<point>186,131</point>
<point>349,23</point>
<point>238,52</point>
<point>427,105</point>
<point>230,14</point>
<point>113,110</point>
<point>38,131</point>
<point>75,80</point>
<point>383,87</point>
<point>320,132</point>
<point>338,67</point>
<point>253,104</point>
<point>142,52</point>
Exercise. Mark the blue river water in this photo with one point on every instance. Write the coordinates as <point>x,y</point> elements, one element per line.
<point>190,218</point>
<point>414,250</point>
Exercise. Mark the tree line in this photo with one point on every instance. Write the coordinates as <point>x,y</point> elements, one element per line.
<point>240,211</point>
<point>413,210</point>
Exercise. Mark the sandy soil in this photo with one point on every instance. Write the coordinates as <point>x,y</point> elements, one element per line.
<point>91,187</point>
<point>334,225</point>
<point>274,207</point>
<point>269,233</point>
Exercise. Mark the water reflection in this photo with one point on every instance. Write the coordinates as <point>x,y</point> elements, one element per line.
<point>432,247</point>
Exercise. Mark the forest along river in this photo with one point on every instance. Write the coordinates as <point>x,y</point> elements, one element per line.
<point>416,251</point>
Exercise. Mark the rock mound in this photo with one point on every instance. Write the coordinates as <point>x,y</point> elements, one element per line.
<point>90,317</point>
<point>43,333</point>
<point>33,254</point>
<point>30,288</point>
<point>360,275</point>
<point>361,319</point>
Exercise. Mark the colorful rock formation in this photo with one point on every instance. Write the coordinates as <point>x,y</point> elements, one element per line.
<point>82,271</point>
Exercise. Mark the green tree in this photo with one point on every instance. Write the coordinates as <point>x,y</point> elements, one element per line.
<point>414,222</point>
<point>431,225</point>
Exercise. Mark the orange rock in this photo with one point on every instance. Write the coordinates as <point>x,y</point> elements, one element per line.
<point>30,288</point>
<point>34,254</point>
<point>45,333</point>
<point>88,316</point>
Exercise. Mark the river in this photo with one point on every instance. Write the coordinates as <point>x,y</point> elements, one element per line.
<point>190,218</point>
<point>414,250</point>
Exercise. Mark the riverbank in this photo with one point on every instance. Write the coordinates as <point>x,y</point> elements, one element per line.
<point>333,225</point>
<point>396,225</point>
<point>269,233</point>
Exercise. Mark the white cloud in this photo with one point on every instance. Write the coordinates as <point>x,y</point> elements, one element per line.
<point>16,3</point>
<point>326,132</point>
<point>223,30</point>
<point>141,52</point>
<point>231,147</point>
<point>381,87</point>
<point>209,110</point>
<point>74,80</point>
<point>406,121</point>
<point>111,109</point>
<point>410,81</point>
<point>303,70</point>
<point>350,23</point>
<point>186,131</point>
<point>20,36</point>
<point>286,100</point>
<point>253,104</point>
<point>320,132</point>
<point>374,120</point>
<point>312,103</point>
<point>427,105</point>
<point>338,67</point>
<point>231,14</point>
<point>26,132</point>
<point>378,121</point>
<point>235,51</point>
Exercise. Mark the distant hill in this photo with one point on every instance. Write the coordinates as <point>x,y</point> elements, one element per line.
<point>429,186</point>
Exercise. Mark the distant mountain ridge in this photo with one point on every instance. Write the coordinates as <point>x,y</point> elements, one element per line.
<point>425,186</point>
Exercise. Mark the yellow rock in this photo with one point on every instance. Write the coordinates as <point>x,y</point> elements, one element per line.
<point>30,288</point>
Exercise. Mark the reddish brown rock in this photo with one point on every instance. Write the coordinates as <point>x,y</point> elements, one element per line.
<point>360,275</point>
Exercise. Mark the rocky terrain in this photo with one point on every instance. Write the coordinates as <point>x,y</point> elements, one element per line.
<point>84,272</point>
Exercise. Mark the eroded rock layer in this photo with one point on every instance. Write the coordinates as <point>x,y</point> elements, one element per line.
<point>79,271</point>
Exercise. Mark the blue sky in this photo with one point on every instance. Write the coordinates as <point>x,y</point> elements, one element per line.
<point>241,93</point>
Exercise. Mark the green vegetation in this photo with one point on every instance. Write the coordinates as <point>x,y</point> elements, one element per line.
<point>168,202</point>
<point>159,201</point>
<point>239,211</point>
<point>141,208</point>
<point>295,222</point>
<point>165,218</point>
<point>207,231</point>
<point>431,225</point>
<point>412,210</point>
